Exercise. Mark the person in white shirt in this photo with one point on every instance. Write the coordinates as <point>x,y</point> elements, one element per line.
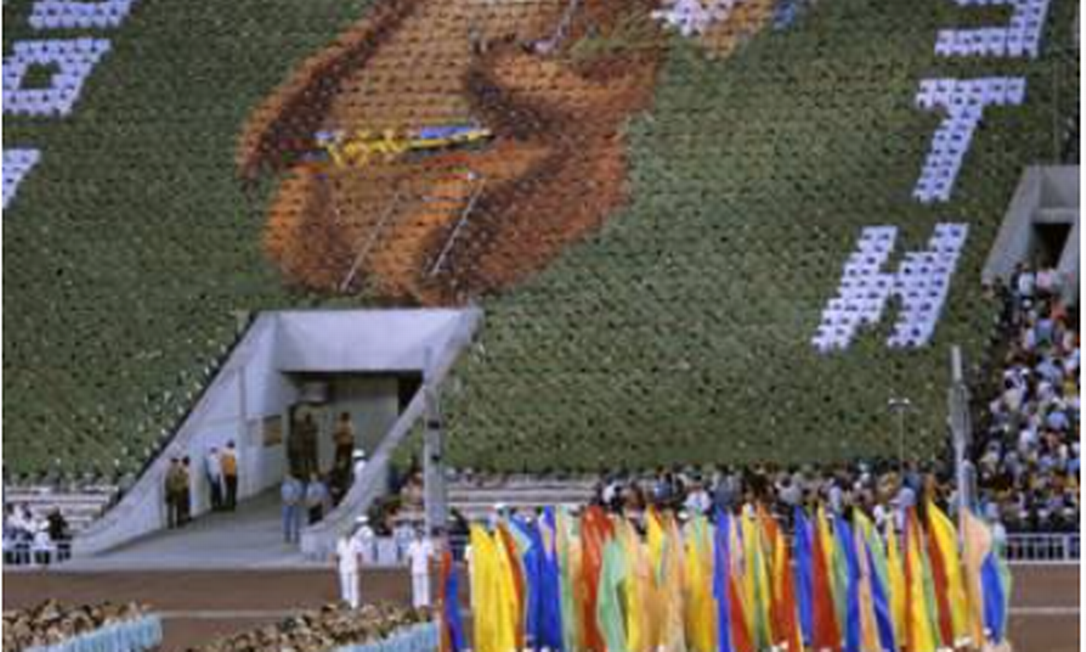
<point>213,469</point>
<point>419,553</point>
<point>349,562</point>
<point>359,464</point>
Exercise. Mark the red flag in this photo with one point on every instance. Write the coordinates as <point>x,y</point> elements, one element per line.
<point>595,531</point>
<point>740,634</point>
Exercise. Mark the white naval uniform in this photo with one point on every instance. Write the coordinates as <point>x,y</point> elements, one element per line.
<point>348,552</point>
<point>419,553</point>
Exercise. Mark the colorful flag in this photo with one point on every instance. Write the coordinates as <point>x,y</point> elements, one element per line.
<point>976,546</point>
<point>919,625</point>
<point>609,615</point>
<point>722,581</point>
<point>674,587</point>
<point>452,629</point>
<point>741,619</point>
<point>880,585</point>
<point>945,537</point>
<point>826,633</point>
<point>804,575</point>
<point>786,624</point>
<point>897,588</point>
<point>595,531</point>
<point>847,545</point>
<point>512,571</point>
<point>551,591</point>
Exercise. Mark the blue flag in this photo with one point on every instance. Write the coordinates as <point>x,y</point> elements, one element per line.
<point>721,580</point>
<point>883,619</point>
<point>852,591</point>
<point>533,584</point>
<point>451,606</point>
<point>994,599</point>
<point>804,574</point>
<point>550,612</point>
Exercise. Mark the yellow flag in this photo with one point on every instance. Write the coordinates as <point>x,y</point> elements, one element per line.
<point>920,632</point>
<point>483,598</point>
<point>896,579</point>
<point>507,619</point>
<point>869,634</point>
<point>700,611</point>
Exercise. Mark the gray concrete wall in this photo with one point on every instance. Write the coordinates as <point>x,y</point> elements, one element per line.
<point>1045,194</point>
<point>256,383</point>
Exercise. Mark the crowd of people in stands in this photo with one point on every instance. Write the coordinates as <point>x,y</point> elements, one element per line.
<point>50,622</point>
<point>1027,451</point>
<point>31,538</point>
<point>320,631</point>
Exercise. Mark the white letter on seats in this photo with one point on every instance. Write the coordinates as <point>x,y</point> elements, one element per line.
<point>73,59</point>
<point>921,284</point>
<point>76,14</point>
<point>1021,38</point>
<point>964,102</point>
<point>17,164</point>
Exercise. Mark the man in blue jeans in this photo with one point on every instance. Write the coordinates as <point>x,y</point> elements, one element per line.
<point>292,492</point>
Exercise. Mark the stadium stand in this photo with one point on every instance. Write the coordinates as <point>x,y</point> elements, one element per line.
<point>676,330</point>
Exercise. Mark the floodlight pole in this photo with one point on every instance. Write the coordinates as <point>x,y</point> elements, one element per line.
<point>900,405</point>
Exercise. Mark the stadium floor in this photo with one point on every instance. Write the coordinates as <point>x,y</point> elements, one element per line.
<point>201,605</point>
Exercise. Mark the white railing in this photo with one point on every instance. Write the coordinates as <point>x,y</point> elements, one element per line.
<point>1047,548</point>
<point>36,555</point>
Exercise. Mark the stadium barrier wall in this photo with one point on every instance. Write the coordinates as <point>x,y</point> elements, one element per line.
<point>1043,548</point>
<point>130,636</point>
<point>424,637</point>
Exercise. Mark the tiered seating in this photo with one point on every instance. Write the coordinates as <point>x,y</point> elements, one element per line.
<point>69,14</point>
<point>17,164</point>
<point>125,267</point>
<point>79,508</point>
<point>677,328</point>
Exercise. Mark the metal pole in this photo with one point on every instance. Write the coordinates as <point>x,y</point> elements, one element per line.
<point>961,432</point>
<point>434,489</point>
<point>899,405</point>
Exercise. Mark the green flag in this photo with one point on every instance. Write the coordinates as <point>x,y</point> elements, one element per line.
<point>609,611</point>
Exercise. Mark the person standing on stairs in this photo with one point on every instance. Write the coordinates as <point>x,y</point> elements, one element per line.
<point>213,470</point>
<point>229,462</point>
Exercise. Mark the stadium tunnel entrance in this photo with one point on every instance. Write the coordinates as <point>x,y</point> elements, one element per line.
<point>370,365</point>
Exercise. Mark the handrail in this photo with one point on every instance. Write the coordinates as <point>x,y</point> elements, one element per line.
<point>456,230</point>
<point>369,244</point>
<point>1043,548</point>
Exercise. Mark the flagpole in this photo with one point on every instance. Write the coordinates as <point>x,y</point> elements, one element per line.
<point>961,431</point>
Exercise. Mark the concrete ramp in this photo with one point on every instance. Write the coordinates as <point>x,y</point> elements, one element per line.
<point>249,539</point>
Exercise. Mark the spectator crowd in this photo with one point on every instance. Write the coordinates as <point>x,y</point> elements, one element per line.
<point>321,631</point>
<point>50,623</point>
<point>1027,449</point>
<point>31,538</point>
<point>1025,456</point>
